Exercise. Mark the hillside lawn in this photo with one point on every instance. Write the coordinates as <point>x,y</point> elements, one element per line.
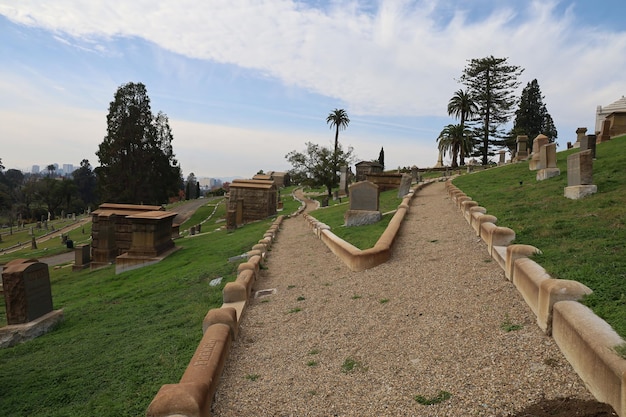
<point>582,240</point>
<point>126,335</point>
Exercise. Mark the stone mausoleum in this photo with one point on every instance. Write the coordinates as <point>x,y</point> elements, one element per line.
<point>251,200</point>
<point>120,228</point>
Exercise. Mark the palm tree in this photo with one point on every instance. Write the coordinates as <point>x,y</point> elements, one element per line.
<point>339,119</point>
<point>462,105</point>
<point>453,140</point>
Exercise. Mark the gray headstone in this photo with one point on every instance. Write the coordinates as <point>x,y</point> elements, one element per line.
<point>364,196</point>
<point>580,168</point>
<point>547,156</point>
<point>589,143</point>
<point>405,185</point>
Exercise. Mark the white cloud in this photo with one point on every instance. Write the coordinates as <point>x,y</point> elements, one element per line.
<point>392,57</point>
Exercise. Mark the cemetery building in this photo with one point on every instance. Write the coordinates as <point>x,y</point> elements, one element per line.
<point>602,113</point>
<point>364,168</point>
<point>112,230</point>
<point>251,200</point>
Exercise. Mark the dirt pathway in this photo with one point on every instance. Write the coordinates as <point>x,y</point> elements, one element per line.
<point>435,324</point>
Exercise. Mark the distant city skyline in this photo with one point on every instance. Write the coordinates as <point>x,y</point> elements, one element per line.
<point>245,82</point>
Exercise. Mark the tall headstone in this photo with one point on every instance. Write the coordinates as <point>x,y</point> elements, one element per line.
<point>580,175</point>
<point>535,161</point>
<point>363,204</point>
<point>547,159</point>
<point>405,185</point>
<point>581,132</point>
<point>502,159</point>
<point>589,142</point>
<point>27,292</point>
<point>343,181</point>
<point>414,173</point>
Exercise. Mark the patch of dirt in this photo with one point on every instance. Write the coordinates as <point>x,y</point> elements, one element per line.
<point>565,407</point>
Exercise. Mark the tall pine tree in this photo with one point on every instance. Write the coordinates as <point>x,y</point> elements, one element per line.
<point>532,117</point>
<point>137,162</point>
<point>491,83</point>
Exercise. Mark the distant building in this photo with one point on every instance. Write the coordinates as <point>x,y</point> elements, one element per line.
<point>68,169</point>
<point>602,112</point>
<point>35,169</point>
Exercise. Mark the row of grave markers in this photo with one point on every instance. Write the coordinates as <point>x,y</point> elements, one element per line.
<point>579,165</point>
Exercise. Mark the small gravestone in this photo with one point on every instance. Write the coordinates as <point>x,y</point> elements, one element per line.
<point>325,201</point>
<point>580,175</point>
<point>27,292</point>
<point>547,159</point>
<point>82,257</point>
<point>415,173</point>
<point>502,158</point>
<point>589,142</point>
<point>28,301</point>
<point>363,204</point>
<point>405,185</point>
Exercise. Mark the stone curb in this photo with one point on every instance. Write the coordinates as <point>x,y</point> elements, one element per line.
<point>193,395</point>
<point>586,341</point>
<point>354,258</point>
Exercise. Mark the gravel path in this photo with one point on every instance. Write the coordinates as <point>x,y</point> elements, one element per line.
<point>332,342</point>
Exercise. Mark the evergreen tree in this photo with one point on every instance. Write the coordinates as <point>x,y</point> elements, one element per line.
<point>491,82</point>
<point>137,162</point>
<point>85,181</point>
<point>381,158</point>
<point>532,117</point>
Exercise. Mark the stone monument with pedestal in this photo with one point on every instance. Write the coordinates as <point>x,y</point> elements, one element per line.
<point>521,153</point>
<point>580,133</point>
<point>363,204</point>
<point>28,301</point>
<point>580,175</point>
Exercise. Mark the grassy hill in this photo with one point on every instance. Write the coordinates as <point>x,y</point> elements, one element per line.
<point>124,335</point>
<point>582,240</point>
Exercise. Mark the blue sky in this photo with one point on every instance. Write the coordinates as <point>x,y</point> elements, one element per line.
<point>244,82</point>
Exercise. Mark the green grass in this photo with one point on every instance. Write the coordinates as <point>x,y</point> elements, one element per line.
<point>124,336</point>
<point>203,213</point>
<point>439,398</point>
<point>363,237</point>
<point>581,240</point>
<point>508,326</point>
<point>350,365</point>
<point>52,246</point>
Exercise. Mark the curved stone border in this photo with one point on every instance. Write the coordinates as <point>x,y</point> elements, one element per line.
<point>359,260</point>
<point>193,395</point>
<point>586,341</point>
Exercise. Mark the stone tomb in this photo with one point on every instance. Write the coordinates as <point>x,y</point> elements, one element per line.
<point>547,161</point>
<point>111,232</point>
<point>28,301</point>
<point>251,200</point>
<point>151,240</point>
<point>580,175</point>
<point>363,204</point>
<point>365,168</point>
<point>385,181</point>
